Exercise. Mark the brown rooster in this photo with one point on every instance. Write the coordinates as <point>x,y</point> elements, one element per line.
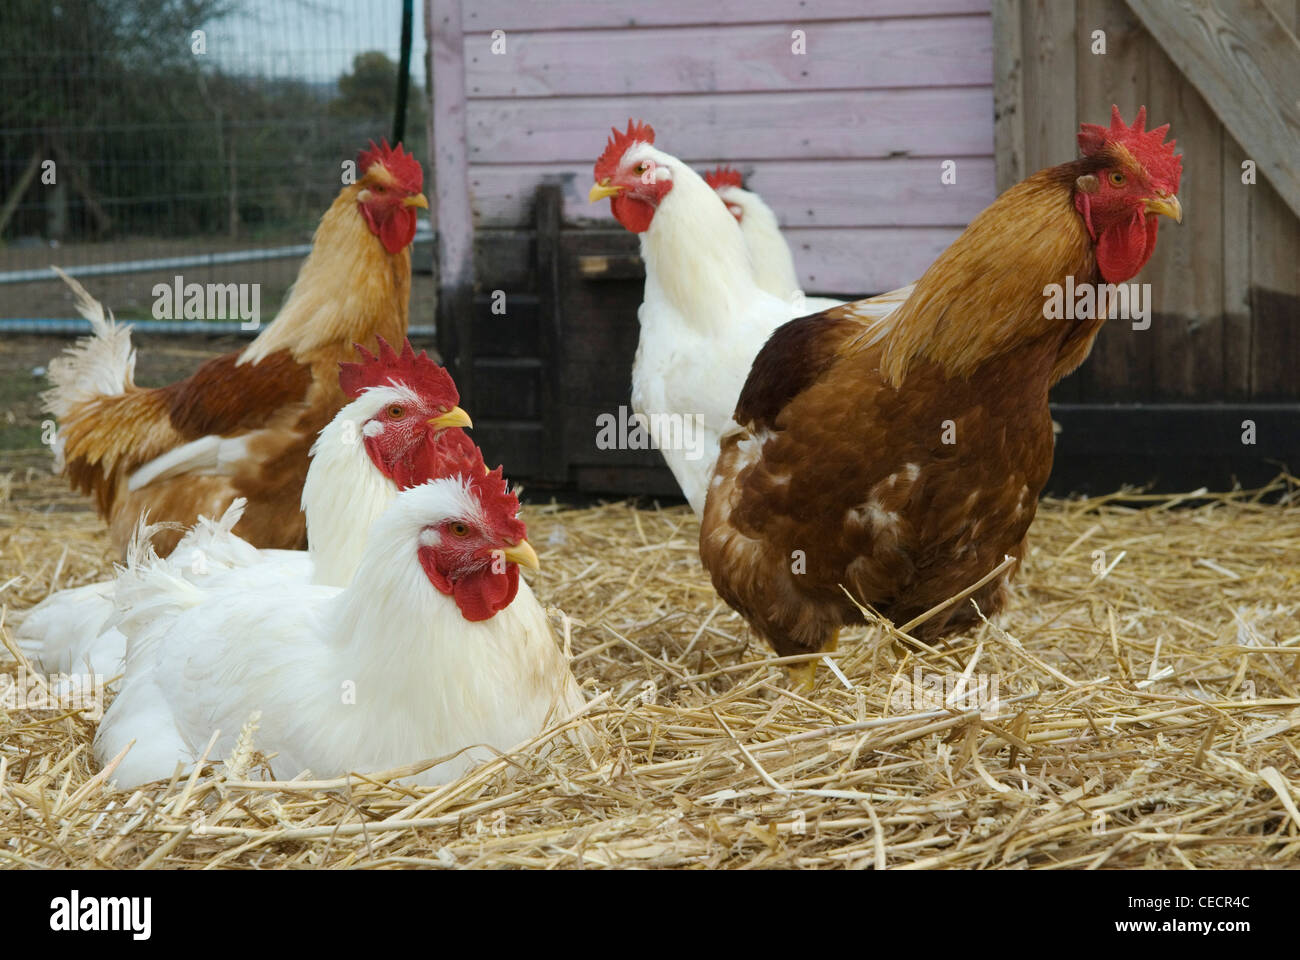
<point>900,458</point>
<point>243,423</point>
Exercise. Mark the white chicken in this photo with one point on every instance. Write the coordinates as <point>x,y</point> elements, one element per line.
<point>402,428</point>
<point>703,317</point>
<point>430,652</point>
<point>768,251</point>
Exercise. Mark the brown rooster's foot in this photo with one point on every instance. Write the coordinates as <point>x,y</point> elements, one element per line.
<point>804,675</point>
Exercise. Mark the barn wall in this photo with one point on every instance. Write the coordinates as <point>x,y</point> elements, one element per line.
<point>845,142</point>
<point>1226,283</point>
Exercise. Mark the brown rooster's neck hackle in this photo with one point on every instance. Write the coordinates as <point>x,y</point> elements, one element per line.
<point>348,290</point>
<point>984,295</point>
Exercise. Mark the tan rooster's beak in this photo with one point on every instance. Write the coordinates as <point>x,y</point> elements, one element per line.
<point>1168,205</point>
<point>417,200</point>
<point>523,554</point>
<point>599,191</point>
<point>455,417</point>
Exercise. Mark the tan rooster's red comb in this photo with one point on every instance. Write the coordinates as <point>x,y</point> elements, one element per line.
<point>618,143</point>
<point>1146,146</point>
<point>724,177</point>
<point>416,371</point>
<point>400,163</point>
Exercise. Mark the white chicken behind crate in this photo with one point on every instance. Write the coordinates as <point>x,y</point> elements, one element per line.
<point>432,651</point>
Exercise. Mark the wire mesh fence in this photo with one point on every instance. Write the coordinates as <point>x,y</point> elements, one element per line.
<point>137,130</point>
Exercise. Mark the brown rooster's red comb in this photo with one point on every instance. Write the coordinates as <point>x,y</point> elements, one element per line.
<point>724,177</point>
<point>500,505</point>
<point>400,163</point>
<point>416,371</point>
<point>637,132</point>
<point>1146,146</point>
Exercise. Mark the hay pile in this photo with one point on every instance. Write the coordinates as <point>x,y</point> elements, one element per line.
<point>1146,714</point>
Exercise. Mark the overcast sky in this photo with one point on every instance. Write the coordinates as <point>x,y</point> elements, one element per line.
<point>313,40</point>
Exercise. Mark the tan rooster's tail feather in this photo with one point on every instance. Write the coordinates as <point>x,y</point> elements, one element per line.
<point>98,365</point>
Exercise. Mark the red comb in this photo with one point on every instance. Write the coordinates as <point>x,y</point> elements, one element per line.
<point>500,505</point>
<point>637,132</point>
<point>413,370</point>
<point>724,177</point>
<point>1146,146</point>
<point>405,169</point>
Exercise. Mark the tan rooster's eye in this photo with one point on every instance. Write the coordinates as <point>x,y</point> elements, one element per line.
<point>1117,179</point>
<point>459,530</point>
<point>396,411</point>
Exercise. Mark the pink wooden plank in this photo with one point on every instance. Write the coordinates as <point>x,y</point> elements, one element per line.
<point>925,122</point>
<point>937,52</point>
<point>451,211</point>
<point>488,15</point>
<point>834,193</point>
<point>865,260</point>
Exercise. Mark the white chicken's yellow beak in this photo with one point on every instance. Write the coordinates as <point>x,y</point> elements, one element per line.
<point>417,200</point>
<point>523,554</point>
<point>455,417</point>
<point>599,191</point>
<point>1167,205</point>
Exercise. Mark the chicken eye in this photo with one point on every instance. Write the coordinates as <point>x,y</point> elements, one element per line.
<point>1117,179</point>
<point>396,411</point>
<point>459,529</point>
<point>640,168</point>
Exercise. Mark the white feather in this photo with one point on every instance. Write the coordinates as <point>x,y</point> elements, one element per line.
<point>376,675</point>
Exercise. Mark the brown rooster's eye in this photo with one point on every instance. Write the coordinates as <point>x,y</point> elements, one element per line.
<point>1116,178</point>
<point>396,412</point>
<point>459,530</point>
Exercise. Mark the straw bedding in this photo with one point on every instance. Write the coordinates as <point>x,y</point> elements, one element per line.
<point>1137,707</point>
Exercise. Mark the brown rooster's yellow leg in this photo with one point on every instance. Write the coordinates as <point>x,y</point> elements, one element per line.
<point>804,675</point>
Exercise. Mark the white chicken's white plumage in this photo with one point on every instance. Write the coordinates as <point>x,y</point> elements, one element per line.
<point>73,631</point>
<point>703,319</point>
<point>379,674</point>
<point>769,253</point>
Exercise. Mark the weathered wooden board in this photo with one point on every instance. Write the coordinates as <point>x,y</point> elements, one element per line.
<point>1245,60</point>
<point>485,16</point>
<point>848,55</point>
<point>922,122</point>
<point>827,193</point>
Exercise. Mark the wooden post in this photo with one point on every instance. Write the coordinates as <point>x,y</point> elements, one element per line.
<point>453,253</point>
<point>550,207</point>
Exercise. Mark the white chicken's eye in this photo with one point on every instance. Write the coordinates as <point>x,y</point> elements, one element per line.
<point>459,529</point>
<point>396,411</point>
<point>640,168</point>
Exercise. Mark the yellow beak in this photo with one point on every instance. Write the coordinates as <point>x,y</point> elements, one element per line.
<point>418,200</point>
<point>455,417</point>
<point>599,191</point>
<point>1169,206</point>
<point>523,554</point>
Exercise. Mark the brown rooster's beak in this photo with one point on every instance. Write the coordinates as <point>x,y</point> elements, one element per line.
<point>455,417</point>
<point>523,554</point>
<point>1168,205</point>
<point>599,191</point>
<point>417,200</point>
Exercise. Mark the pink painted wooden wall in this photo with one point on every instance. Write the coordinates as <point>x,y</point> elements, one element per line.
<point>846,142</point>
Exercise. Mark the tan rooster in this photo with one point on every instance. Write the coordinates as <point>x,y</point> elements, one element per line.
<point>243,423</point>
